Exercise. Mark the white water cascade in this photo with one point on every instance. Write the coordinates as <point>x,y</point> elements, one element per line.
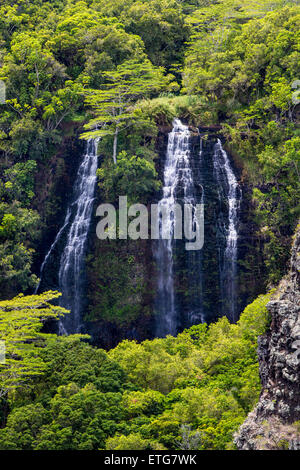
<point>73,238</point>
<point>72,258</point>
<point>229,191</point>
<point>196,313</point>
<point>52,247</point>
<point>177,185</point>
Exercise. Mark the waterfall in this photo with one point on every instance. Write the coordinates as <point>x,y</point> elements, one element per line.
<point>178,186</point>
<point>71,270</point>
<point>71,241</point>
<point>230,195</point>
<point>52,247</point>
<point>196,312</point>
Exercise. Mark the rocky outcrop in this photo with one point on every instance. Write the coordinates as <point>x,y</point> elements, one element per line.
<point>273,423</point>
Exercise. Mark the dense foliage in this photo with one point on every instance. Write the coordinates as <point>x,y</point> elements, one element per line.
<point>193,390</point>
<point>21,320</point>
<point>123,69</point>
<point>245,60</point>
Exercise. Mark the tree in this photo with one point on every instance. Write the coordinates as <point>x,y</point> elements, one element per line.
<point>19,229</point>
<point>189,440</point>
<point>113,105</point>
<point>160,24</point>
<point>20,180</point>
<point>21,320</point>
<point>134,176</point>
<point>132,442</point>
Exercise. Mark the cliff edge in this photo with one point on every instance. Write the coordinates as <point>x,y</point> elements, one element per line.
<point>275,422</point>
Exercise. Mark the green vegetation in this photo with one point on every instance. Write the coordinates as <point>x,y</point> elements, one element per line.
<point>244,59</point>
<point>131,80</point>
<point>132,176</point>
<point>21,320</point>
<point>118,284</point>
<point>171,393</point>
<point>122,70</point>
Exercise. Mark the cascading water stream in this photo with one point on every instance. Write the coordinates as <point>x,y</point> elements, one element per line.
<point>75,232</point>
<point>52,247</point>
<point>196,312</point>
<point>178,186</point>
<point>229,191</point>
<point>72,258</point>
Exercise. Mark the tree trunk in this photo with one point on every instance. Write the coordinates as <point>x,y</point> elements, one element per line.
<point>115,146</point>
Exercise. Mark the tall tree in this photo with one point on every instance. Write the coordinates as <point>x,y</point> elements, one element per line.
<point>113,105</point>
<point>21,320</point>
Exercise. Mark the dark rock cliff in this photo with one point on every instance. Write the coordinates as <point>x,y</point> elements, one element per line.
<point>273,423</point>
<point>122,275</point>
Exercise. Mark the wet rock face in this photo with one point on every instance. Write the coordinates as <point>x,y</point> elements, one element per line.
<point>279,360</point>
